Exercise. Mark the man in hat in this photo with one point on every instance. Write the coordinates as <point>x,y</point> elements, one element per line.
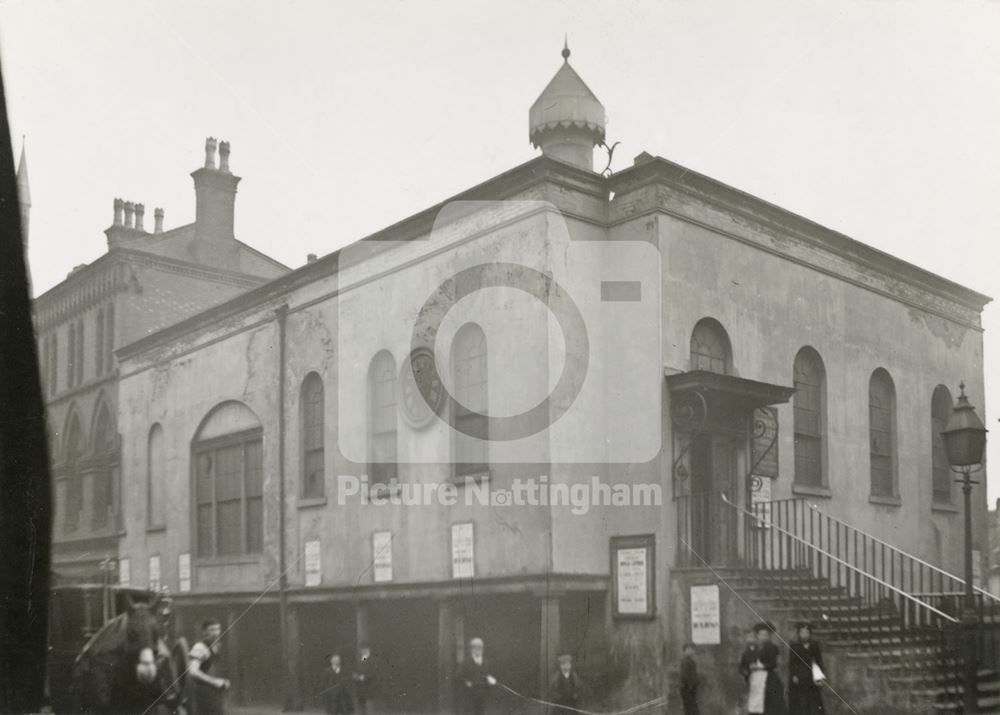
<point>565,688</point>
<point>805,663</point>
<point>475,678</point>
<point>362,677</point>
<point>758,666</point>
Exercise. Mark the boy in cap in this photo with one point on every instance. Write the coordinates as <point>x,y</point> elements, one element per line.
<point>565,687</point>
<point>475,678</point>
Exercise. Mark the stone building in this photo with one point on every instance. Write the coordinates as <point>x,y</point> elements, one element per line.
<point>793,366</point>
<point>144,281</point>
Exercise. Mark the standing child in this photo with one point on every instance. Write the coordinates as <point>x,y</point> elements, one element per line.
<point>335,694</point>
<point>565,687</point>
<point>690,680</point>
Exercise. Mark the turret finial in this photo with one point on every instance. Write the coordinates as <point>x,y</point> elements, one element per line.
<point>565,50</point>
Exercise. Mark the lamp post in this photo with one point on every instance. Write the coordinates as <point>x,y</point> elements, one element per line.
<point>964,441</point>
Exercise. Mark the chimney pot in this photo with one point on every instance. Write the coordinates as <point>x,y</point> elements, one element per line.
<point>311,258</point>
<point>119,207</point>
<point>158,221</point>
<point>224,156</point>
<point>129,214</point>
<point>140,213</point>
<point>210,145</point>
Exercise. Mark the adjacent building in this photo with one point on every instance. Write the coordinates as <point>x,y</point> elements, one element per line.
<point>144,281</point>
<point>792,364</point>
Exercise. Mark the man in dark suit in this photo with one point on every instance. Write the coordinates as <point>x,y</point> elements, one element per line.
<point>474,678</point>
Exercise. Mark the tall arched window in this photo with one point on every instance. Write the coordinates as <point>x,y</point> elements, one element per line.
<point>882,433</point>
<point>809,404</point>
<point>470,378</point>
<point>109,337</point>
<point>313,469</point>
<point>710,347</point>
<point>155,472</point>
<point>382,413</point>
<point>228,472</point>
<point>104,445</point>
<point>54,365</point>
<point>74,480</point>
<point>99,343</point>
<point>71,357</point>
<point>941,407</point>
<point>80,340</point>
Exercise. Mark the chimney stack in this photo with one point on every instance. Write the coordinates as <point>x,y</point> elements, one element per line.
<point>129,214</point>
<point>119,207</point>
<point>140,213</point>
<point>215,199</point>
<point>311,258</point>
<point>158,221</point>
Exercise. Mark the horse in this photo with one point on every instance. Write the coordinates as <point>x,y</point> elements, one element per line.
<point>127,668</point>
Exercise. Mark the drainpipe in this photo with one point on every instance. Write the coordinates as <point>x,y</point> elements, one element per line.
<point>280,314</point>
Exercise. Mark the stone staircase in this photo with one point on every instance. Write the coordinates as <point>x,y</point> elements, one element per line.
<point>876,663</point>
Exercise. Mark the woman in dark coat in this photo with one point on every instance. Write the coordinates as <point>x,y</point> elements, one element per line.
<point>805,696</point>
<point>336,693</point>
<point>759,667</point>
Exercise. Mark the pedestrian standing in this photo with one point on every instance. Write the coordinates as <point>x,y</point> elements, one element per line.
<point>805,674</point>
<point>690,680</point>
<point>207,691</point>
<point>475,678</point>
<point>759,667</point>
<point>565,688</point>
<point>336,691</point>
<point>362,677</point>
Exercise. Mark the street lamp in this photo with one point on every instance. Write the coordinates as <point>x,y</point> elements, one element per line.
<point>964,442</point>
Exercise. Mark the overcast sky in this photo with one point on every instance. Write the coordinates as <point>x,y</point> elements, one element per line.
<point>880,119</point>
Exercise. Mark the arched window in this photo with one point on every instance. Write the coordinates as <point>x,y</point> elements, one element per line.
<point>109,337</point>
<point>155,472</point>
<point>882,433</point>
<point>382,434</point>
<point>54,365</point>
<point>71,357</point>
<point>312,437</point>
<point>229,503</point>
<point>104,445</point>
<point>809,404</point>
<point>710,348</point>
<point>99,343</point>
<point>470,378</point>
<point>80,335</point>
<point>941,407</point>
<point>74,480</point>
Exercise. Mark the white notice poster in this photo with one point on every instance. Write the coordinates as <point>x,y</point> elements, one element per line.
<point>706,628</point>
<point>382,556</point>
<point>632,574</point>
<point>314,573</point>
<point>184,572</point>
<point>463,556</point>
<point>154,573</point>
<point>124,571</point>
<point>760,501</point>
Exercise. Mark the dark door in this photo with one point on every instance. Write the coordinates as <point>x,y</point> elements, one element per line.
<point>713,530</point>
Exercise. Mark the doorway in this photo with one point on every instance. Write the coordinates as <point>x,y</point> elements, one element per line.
<point>713,524</point>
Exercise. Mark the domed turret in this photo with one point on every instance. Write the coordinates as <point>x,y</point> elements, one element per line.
<point>567,120</point>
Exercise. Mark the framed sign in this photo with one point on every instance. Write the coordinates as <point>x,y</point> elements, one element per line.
<point>154,573</point>
<point>314,568</point>
<point>382,556</point>
<point>760,501</point>
<point>633,576</point>
<point>706,625</point>
<point>184,572</point>
<point>463,550</point>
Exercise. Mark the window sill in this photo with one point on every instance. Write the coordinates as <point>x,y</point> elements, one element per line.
<point>884,501</point>
<point>945,507</point>
<point>812,491</point>
<point>468,479</point>
<point>308,502</point>
<point>160,528</point>
<point>227,560</point>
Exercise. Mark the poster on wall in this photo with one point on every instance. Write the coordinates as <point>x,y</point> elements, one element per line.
<point>124,572</point>
<point>314,572</point>
<point>633,576</point>
<point>706,625</point>
<point>154,573</point>
<point>184,572</point>
<point>760,500</point>
<point>463,553</point>
<point>382,556</point>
